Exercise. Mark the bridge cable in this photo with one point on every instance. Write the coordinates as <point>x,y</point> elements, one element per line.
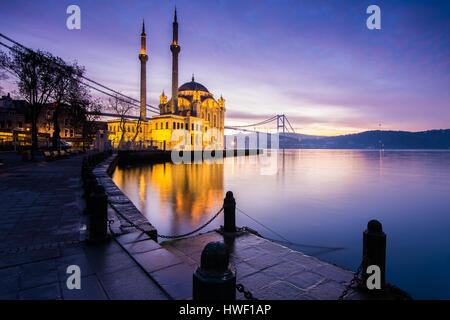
<point>84,77</point>
<point>286,241</point>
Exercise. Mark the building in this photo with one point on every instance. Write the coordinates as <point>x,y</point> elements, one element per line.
<point>14,127</point>
<point>192,119</point>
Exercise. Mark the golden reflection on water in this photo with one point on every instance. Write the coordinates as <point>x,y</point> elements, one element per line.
<point>174,196</point>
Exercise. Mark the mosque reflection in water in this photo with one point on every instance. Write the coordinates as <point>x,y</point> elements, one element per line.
<point>175,198</point>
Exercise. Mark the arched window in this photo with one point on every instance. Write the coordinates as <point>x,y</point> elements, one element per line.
<point>209,117</point>
<point>167,125</point>
<point>215,121</point>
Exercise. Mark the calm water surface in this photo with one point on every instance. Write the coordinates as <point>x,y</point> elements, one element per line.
<point>318,197</point>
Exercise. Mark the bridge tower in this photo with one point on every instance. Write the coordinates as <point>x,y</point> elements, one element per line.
<point>281,122</point>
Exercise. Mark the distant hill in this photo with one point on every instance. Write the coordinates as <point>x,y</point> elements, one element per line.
<point>431,139</point>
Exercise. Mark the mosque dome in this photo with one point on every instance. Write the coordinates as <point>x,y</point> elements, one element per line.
<point>193,86</point>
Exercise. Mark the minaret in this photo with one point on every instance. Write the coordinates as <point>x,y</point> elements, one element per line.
<point>143,58</point>
<point>175,48</point>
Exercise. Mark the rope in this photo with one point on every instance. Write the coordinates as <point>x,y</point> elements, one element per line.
<point>274,232</point>
<point>194,231</point>
<point>286,241</point>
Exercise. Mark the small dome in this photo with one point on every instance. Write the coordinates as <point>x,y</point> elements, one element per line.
<point>193,86</point>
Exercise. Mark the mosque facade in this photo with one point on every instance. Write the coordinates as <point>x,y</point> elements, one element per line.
<point>192,119</point>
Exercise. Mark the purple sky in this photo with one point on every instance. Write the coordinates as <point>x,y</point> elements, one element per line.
<point>314,61</point>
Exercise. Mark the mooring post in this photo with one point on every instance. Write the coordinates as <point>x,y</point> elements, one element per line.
<point>214,279</point>
<point>98,214</point>
<point>229,212</point>
<point>374,250</point>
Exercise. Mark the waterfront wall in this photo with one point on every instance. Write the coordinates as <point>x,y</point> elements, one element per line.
<point>125,208</point>
<point>126,157</point>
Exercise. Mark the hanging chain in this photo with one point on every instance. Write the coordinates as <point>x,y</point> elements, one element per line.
<point>194,231</point>
<point>165,236</point>
<point>356,278</point>
<point>247,294</point>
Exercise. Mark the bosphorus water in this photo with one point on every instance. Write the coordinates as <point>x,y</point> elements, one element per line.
<point>320,198</point>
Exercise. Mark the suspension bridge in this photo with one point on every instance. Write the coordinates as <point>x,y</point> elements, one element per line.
<point>281,123</point>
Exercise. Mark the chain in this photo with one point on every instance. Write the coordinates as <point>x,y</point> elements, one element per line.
<point>194,231</point>
<point>247,294</point>
<point>128,220</point>
<point>356,278</point>
<point>110,222</point>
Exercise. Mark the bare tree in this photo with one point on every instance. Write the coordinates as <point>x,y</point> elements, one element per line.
<point>69,91</point>
<point>122,108</point>
<point>38,76</point>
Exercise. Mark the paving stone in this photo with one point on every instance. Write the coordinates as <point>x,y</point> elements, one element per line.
<point>256,281</point>
<point>79,260</point>
<point>9,281</point>
<point>280,290</point>
<point>176,280</point>
<point>102,263</point>
<point>284,270</point>
<point>243,269</point>
<point>132,237</point>
<point>264,261</point>
<point>248,252</point>
<point>329,290</point>
<point>46,292</point>
<point>335,273</point>
<point>131,284</point>
<point>156,259</point>
<point>90,290</point>
<point>28,257</point>
<point>38,274</point>
<point>141,246</point>
<point>307,262</point>
<point>305,279</point>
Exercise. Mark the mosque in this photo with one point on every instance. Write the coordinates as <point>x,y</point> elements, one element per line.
<point>192,119</point>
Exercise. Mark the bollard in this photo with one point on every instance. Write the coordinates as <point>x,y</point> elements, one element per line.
<point>98,215</point>
<point>374,249</point>
<point>89,183</point>
<point>214,279</point>
<point>229,212</point>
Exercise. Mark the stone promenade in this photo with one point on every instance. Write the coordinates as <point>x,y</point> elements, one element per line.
<point>42,232</point>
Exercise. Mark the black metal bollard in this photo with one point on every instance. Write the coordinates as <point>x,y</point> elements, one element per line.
<point>229,211</point>
<point>214,279</point>
<point>374,250</point>
<point>89,183</point>
<point>98,211</point>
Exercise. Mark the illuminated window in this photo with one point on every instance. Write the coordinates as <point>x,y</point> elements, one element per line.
<point>182,125</point>
<point>167,125</point>
<point>178,125</point>
<point>174,125</point>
